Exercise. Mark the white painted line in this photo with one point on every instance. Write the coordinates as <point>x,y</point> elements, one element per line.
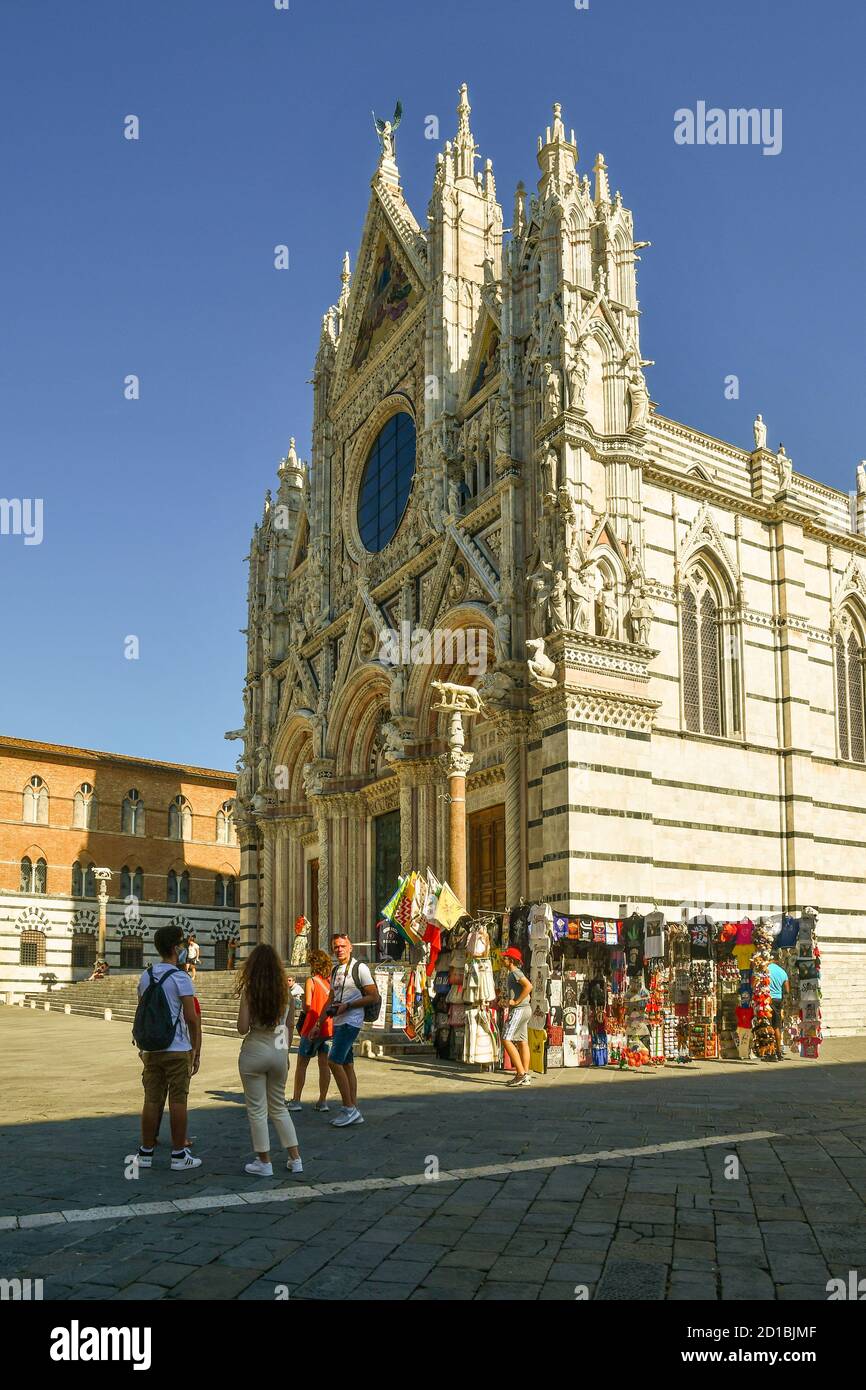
<point>330,1189</point>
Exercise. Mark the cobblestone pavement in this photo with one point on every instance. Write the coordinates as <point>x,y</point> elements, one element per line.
<point>666,1224</point>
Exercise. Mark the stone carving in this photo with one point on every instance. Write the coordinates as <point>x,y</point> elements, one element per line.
<point>861,478</point>
<point>549,460</point>
<point>540,590</point>
<point>760,430</point>
<point>502,627</point>
<point>502,432</point>
<point>641,613</point>
<point>638,396</point>
<point>263,766</point>
<point>577,374</point>
<point>579,598</point>
<point>558,604</point>
<point>244,786</point>
<point>385,131</point>
<point>457,584</point>
<point>606,606</point>
<point>541,668</point>
<point>496,688</point>
<point>397,692</point>
<point>784,469</point>
<point>552,392</point>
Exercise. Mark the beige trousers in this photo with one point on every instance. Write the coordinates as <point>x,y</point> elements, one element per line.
<point>264,1068</point>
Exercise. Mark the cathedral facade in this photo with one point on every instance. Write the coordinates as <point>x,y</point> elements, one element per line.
<point>666,631</point>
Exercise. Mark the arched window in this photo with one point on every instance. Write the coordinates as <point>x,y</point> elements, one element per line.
<point>83,880</point>
<point>183,888</point>
<point>848,647</point>
<point>225,826</point>
<point>83,949</point>
<point>386,481</point>
<point>138,884</point>
<point>180,819</point>
<point>40,876</point>
<point>36,802</point>
<point>132,813</point>
<point>711,686</point>
<point>224,891</point>
<point>32,948</point>
<point>131,953</point>
<point>25,882</point>
<point>171,887</point>
<point>84,808</point>
<point>125,882</point>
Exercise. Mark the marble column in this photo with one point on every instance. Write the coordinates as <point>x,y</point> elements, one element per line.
<point>266,922</point>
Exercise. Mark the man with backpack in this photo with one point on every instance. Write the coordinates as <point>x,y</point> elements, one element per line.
<point>353,998</point>
<point>167,1031</point>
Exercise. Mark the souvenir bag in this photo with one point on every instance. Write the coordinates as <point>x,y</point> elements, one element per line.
<point>555,1035</point>
<point>555,1057</point>
<point>449,909</point>
<point>654,936</point>
<point>560,927</point>
<point>570,1050</point>
<point>612,933</point>
<point>555,991</point>
<point>434,887</point>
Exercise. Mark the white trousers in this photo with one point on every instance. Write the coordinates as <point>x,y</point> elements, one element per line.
<point>264,1069</point>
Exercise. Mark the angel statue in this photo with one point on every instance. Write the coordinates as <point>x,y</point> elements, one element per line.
<point>385,130</point>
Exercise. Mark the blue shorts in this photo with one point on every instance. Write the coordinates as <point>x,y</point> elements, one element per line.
<point>341,1045</point>
<point>311,1047</point>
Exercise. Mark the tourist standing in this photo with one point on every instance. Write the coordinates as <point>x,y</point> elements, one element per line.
<point>167,1015</point>
<point>352,990</point>
<point>193,952</point>
<point>515,1036</point>
<point>317,992</point>
<point>779,987</point>
<point>266,1018</point>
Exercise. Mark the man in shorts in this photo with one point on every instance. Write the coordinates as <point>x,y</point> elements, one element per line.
<point>352,987</point>
<point>168,1073</point>
<point>779,987</point>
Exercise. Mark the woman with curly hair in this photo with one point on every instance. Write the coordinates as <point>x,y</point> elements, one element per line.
<point>266,1018</point>
<point>316,993</point>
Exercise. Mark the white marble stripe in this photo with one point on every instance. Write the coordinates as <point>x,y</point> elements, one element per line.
<point>298,1192</point>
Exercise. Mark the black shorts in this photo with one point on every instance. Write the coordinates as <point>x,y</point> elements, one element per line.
<point>776,1011</point>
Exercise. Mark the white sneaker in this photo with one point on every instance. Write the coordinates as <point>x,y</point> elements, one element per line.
<point>321,1105</point>
<point>257,1169</point>
<point>294,1105</point>
<point>352,1116</point>
<point>526,1079</point>
<point>144,1160</point>
<point>295,1165</point>
<point>184,1160</point>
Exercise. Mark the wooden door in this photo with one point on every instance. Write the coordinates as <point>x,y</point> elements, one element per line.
<point>487,860</point>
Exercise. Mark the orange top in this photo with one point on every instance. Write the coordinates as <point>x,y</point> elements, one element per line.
<point>318,998</point>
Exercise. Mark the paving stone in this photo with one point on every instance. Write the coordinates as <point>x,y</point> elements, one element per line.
<point>214,1282</point>
<point>167,1275</point>
<point>139,1293</point>
<point>562,1291</point>
<point>631,1280</point>
<point>508,1292</point>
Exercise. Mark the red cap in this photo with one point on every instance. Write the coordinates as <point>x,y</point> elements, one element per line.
<point>513,954</point>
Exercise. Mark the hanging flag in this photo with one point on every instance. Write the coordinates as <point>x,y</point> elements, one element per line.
<point>449,909</point>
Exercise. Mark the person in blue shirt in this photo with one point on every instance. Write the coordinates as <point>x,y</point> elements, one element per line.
<point>779,987</point>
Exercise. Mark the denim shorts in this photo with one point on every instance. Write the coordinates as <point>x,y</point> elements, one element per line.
<point>341,1045</point>
<point>311,1047</point>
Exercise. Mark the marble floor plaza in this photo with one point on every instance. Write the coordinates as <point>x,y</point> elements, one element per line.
<point>585,1185</point>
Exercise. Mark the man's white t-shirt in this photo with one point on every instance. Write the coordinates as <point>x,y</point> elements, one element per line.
<point>193,952</point>
<point>346,991</point>
<point>177,987</point>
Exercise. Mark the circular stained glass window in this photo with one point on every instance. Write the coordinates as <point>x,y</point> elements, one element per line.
<point>386,481</point>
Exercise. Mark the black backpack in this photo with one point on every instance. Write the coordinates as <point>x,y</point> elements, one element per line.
<point>371,1010</point>
<point>153,1027</point>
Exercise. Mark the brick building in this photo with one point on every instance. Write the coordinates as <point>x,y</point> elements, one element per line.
<point>164,830</point>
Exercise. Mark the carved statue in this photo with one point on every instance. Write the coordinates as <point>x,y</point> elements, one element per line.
<point>457,583</point>
<point>784,469</point>
<point>453,497</point>
<point>397,692</point>
<point>760,432</point>
<point>641,613</point>
<point>244,779</point>
<point>503,428</point>
<point>541,668</point>
<point>578,374</point>
<point>558,606</point>
<point>552,392</point>
<point>495,688</point>
<point>608,617</point>
<point>385,130</point>
<point>639,397</point>
<point>263,766</point>
<point>539,604</point>
<point>502,631</point>
<point>861,478</point>
<point>579,600</point>
<point>549,470</point>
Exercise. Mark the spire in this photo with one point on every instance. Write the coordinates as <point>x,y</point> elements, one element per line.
<point>557,156</point>
<point>345,276</point>
<point>464,144</point>
<point>519,219</point>
<point>602,187</point>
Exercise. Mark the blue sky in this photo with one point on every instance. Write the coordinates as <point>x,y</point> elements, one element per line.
<point>155,257</point>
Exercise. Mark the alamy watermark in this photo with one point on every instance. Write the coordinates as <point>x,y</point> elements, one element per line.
<point>739,125</point>
<point>421,646</point>
<point>22,516</point>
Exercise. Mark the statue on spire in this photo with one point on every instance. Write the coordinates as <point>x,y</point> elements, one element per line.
<point>385,131</point>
